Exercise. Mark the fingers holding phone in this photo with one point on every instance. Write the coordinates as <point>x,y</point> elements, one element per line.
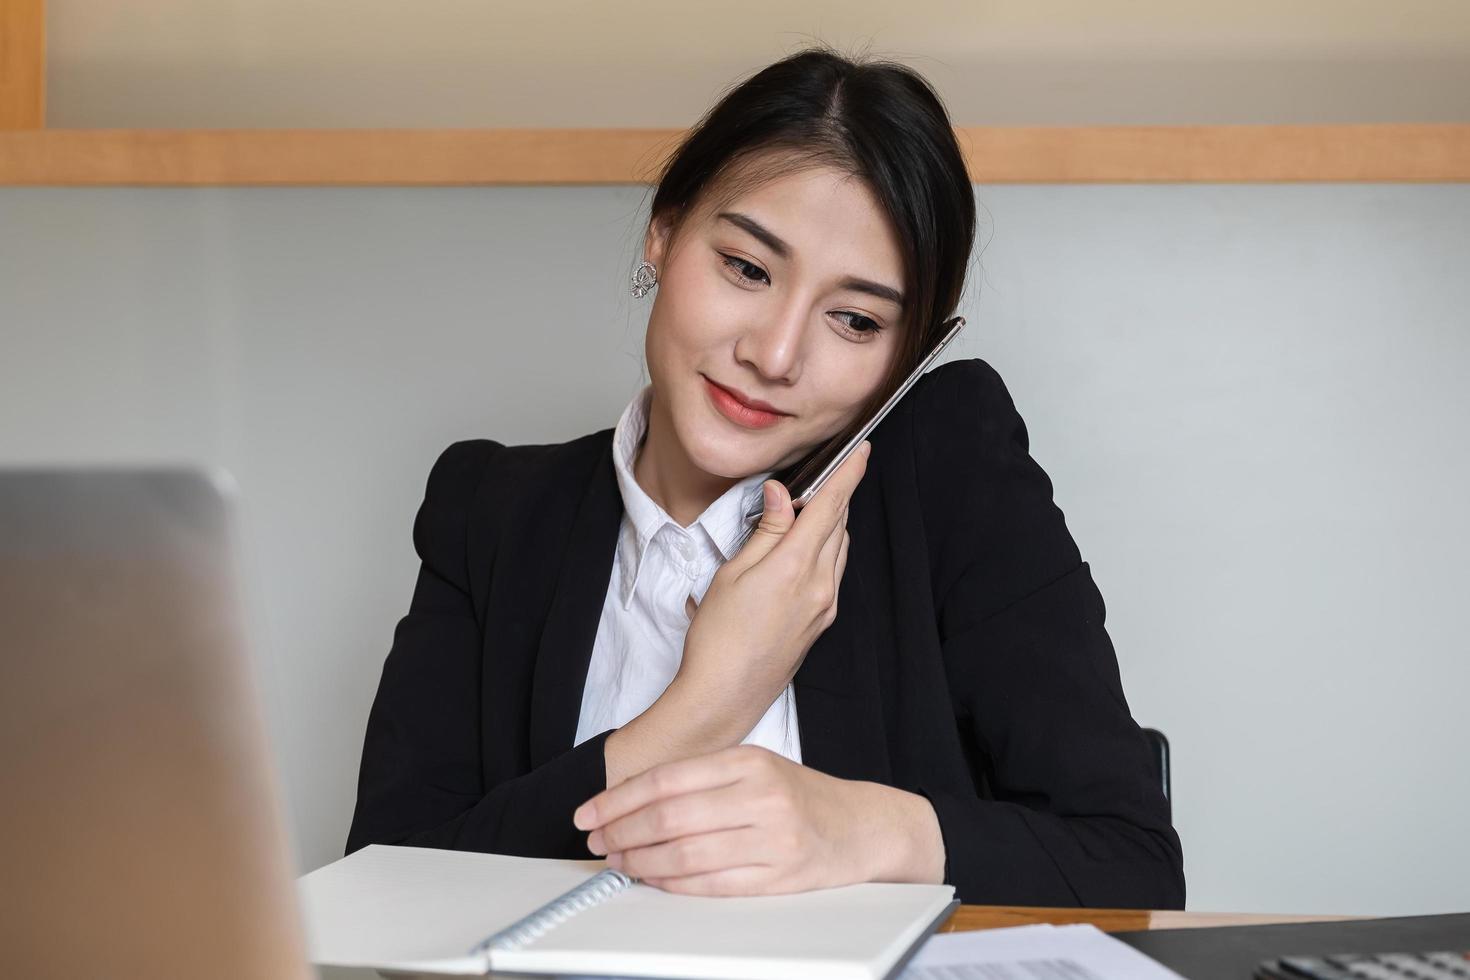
<point>768,604</point>
<point>823,520</point>
<point>813,527</point>
<point>834,556</point>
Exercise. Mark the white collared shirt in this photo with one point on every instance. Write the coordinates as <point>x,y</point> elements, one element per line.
<point>657,566</point>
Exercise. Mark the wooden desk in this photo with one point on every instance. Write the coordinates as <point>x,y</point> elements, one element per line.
<point>968,917</point>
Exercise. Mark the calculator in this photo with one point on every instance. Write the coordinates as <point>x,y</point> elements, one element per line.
<point>1446,965</point>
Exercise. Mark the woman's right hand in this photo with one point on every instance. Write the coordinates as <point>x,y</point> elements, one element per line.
<point>767,605</point>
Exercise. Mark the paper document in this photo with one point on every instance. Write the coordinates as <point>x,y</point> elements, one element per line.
<point>427,910</point>
<point>1040,952</point>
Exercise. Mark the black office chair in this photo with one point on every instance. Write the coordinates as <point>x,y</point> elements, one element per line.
<point>1159,755</point>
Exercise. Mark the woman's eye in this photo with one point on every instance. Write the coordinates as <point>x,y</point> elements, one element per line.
<point>860,324</point>
<point>744,271</point>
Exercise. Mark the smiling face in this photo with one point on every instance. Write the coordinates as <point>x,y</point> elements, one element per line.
<point>787,295</point>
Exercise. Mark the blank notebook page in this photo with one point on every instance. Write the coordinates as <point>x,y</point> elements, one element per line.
<point>417,908</point>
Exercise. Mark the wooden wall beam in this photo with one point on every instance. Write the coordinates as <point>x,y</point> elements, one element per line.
<point>1224,154</point>
<point>996,155</point>
<point>22,64</point>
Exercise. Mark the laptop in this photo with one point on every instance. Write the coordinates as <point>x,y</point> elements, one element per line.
<point>142,833</point>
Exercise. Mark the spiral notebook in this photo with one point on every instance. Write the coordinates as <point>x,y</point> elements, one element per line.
<point>423,910</point>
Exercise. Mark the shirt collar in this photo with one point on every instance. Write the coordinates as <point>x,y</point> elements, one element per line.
<point>722,520</point>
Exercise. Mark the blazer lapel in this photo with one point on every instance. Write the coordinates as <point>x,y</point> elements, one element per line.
<point>839,710</point>
<point>566,643</point>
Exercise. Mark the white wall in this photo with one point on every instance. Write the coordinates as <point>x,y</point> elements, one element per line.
<point>1250,399</point>
<point>373,63</point>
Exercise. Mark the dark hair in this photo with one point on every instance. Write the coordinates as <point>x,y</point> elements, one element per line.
<point>877,120</point>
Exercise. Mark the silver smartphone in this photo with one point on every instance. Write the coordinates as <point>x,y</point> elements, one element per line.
<point>810,478</point>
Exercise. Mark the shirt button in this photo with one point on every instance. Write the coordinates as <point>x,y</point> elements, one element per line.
<point>686,549</point>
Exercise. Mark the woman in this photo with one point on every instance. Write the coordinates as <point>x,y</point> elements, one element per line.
<point>909,681</point>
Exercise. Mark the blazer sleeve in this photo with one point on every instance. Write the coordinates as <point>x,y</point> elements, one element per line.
<point>1077,816</point>
<point>421,779</point>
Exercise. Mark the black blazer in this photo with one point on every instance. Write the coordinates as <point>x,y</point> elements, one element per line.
<point>968,661</point>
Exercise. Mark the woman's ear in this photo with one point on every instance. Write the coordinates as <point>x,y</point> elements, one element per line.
<point>656,241</point>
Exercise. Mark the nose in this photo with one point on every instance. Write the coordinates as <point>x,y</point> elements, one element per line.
<point>772,346</point>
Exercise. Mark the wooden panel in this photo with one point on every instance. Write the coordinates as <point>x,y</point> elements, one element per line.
<point>22,64</point>
<point>1225,154</point>
<point>346,156</point>
<point>1230,154</point>
<point>968,917</point>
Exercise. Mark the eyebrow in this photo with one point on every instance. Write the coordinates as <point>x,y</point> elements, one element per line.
<point>775,244</point>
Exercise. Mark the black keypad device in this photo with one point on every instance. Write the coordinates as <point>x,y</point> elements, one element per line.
<point>1445,965</point>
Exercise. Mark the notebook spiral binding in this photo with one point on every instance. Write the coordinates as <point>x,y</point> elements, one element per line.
<point>595,889</point>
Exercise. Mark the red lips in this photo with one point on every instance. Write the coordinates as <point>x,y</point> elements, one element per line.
<point>752,414</point>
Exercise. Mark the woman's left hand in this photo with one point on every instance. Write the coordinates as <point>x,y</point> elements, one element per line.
<point>747,821</point>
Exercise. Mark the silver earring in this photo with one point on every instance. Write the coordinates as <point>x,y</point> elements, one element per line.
<point>645,277</point>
